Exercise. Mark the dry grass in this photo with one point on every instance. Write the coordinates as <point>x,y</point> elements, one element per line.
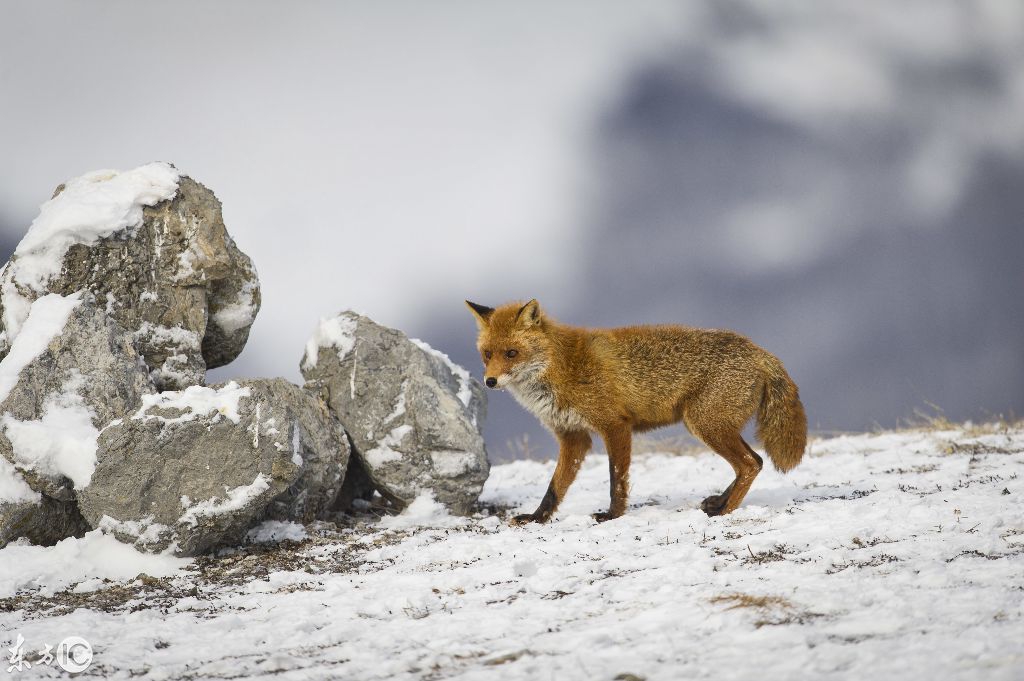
<point>768,610</point>
<point>933,418</point>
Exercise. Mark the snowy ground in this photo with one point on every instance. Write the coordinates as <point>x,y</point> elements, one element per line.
<point>899,555</point>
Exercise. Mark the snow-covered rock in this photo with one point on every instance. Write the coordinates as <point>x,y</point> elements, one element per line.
<point>70,371</point>
<point>27,513</point>
<point>150,243</point>
<point>413,415</point>
<point>195,469</point>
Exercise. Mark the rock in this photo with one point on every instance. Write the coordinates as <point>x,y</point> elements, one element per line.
<point>195,469</point>
<point>26,513</point>
<point>70,372</point>
<point>151,245</point>
<point>413,416</point>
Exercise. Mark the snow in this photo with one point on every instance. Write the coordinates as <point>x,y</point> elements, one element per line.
<point>296,443</point>
<point>271,531</point>
<point>44,321</point>
<point>91,207</point>
<point>465,386</point>
<point>235,498</point>
<point>451,463</point>
<point>424,510</point>
<point>145,531</point>
<point>195,401</point>
<point>384,451</point>
<point>13,488</point>
<point>62,442</point>
<point>176,336</point>
<point>897,555</point>
<point>239,314</point>
<point>337,332</point>
<point>49,569</point>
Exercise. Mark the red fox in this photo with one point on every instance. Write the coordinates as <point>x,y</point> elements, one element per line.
<point>615,382</point>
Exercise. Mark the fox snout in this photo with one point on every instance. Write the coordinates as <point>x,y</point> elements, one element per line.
<point>491,382</point>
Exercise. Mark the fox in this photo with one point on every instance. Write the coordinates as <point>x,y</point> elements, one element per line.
<point>617,382</point>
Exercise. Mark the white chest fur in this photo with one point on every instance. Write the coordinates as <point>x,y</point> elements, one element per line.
<point>536,396</point>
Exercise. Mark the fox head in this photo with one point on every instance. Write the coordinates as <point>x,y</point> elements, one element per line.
<point>512,342</point>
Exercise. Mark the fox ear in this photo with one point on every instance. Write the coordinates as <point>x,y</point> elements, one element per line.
<point>481,312</point>
<point>529,314</point>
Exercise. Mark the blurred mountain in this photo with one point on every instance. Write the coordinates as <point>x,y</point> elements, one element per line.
<point>847,193</point>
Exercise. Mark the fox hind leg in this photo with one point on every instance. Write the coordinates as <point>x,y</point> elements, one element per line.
<point>744,461</point>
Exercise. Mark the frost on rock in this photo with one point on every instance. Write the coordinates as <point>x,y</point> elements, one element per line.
<point>195,469</point>
<point>151,244</point>
<point>412,414</point>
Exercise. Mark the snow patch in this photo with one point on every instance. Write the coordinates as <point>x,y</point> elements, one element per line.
<point>384,453</point>
<point>452,463</point>
<point>423,511</point>
<point>13,488</point>
<point>145,531</point>
<point>239,314</point>
<point>91,207</point>
<point>296,443</point>
<point>62,442</point>
<point>195,401</point>
<point>465,393</point>
<point>95,556</point>
<point>175,336</point>
<point>271,531</point>
<point>44,321</point>
<point>399,408</point>
<point>337,332</point>
<point>236,498</point>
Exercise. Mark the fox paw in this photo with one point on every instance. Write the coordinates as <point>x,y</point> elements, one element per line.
<point>714,505</point>
<point>524,519</point>
<point>604,515</point>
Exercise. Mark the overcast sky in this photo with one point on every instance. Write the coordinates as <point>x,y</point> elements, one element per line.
<point>381,156</point>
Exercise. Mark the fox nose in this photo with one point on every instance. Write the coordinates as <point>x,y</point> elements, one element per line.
<point>491,381</point>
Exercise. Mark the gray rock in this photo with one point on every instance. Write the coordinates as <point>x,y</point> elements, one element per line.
<point>153,248</point>
<point>71,371</point>
<point>44,522</point>
<point>413,416</point>
<point>195,469</point>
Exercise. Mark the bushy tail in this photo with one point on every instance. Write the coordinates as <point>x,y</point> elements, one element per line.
<point>781,422</point>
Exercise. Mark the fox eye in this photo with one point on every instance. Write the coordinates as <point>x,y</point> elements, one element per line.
<point>487,354</point>
<point>511,353</point>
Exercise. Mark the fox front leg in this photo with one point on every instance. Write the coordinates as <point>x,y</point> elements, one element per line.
<point>572,448</point>
<point>619,443</point>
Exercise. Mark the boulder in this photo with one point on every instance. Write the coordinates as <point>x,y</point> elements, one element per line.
<point>195,469</point>
<point>27,513</point>
<point>413,416</point>
<point>70,372</point>
<point>150,243</point>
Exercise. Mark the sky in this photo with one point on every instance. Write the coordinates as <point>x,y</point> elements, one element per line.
<point>841,182</point>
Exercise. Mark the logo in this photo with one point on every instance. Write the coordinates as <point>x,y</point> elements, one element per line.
<point>74,654</point>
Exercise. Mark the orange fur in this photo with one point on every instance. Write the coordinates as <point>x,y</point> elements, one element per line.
<point>615,382</point>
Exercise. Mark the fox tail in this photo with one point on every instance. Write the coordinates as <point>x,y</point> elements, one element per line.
<point>781,421</point>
